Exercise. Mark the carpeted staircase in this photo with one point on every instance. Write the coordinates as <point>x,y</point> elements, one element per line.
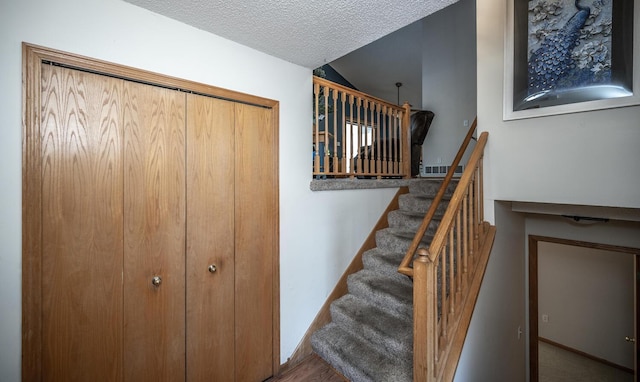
<point>370,337</point>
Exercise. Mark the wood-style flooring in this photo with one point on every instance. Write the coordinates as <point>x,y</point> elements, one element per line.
<point>312,369</point>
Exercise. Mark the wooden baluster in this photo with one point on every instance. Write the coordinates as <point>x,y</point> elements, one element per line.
<point>405,141</point>
<point>396,143</point>
<point>472,249</point>
<point>378,164</point>
<point>369,137</point>
<point>481,198</point>
<point>476,222</point>
<point>402,134</point>
<point>374,153</point>
<point>335,165</point>
<point>374,139</point>
<point>452,298</point>
<point>390,137</point>
<point>359,169</point>
<point>385,141</point>
<point>343,165</point>
<point>465,239</point>
<point>316,128</point>
<point>352,161</point>
<point>443,291</point>
<point>399,139</point>
<point>389,132</point>
<point>459,267</point>
<point>325,149</point>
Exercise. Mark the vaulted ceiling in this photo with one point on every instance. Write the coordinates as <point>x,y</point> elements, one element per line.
<point>304,32</point>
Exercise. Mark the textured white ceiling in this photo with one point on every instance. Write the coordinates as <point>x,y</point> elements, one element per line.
<point>309,33</point>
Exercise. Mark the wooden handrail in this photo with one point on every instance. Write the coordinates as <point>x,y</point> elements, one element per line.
<point>358,135</point>
<point>404,267</point>
<point>458,196</point>
<point>447,276</point>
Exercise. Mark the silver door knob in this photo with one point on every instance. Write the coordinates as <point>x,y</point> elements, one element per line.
<point>157,280</point>
<point>212,268</point>
<point>629,339</point>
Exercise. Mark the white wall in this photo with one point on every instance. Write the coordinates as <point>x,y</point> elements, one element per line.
<point>116,31</point>
<point>587,158</point>
<point>494,350</point>
<point>587,295</point>
<point>449,79</point>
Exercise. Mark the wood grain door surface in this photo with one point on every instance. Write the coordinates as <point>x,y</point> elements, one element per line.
<point>210,239</point>
<point>138,182</point>
<point>255,224</point>
<point>154,234</point>
<point>82,225</point>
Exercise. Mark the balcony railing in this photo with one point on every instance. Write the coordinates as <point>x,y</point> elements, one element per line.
<point>357,135</point>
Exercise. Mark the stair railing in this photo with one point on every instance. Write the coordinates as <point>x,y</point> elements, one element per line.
<point>357,135</point>
<point>447,276</point>
<point>404,267</point>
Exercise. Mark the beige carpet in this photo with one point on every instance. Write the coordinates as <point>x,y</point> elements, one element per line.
<point>559,365</point>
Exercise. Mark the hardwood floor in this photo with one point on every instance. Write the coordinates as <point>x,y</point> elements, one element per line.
<point>311,369</point>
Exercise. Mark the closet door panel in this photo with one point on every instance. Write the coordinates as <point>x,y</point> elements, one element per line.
<point>255,205</point>
<point>210,239</point>
<point>154,234</point>
<point>81,136</point>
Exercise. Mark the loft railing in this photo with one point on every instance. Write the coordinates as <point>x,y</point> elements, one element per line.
<point>447,276</point>
<point>357,135</point>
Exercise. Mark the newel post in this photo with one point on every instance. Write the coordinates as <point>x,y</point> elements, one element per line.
<point>406,140</point>
<point>424,325</point>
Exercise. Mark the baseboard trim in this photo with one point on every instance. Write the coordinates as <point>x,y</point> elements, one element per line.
<point>586,355</point>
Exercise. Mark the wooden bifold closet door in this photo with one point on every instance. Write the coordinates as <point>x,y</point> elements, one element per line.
<point>157,232</point>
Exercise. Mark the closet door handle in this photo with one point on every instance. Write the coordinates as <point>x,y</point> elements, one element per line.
<point>212,268</point>
<point>156,281</point>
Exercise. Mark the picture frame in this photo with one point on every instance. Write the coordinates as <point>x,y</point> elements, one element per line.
<point>567,56</point>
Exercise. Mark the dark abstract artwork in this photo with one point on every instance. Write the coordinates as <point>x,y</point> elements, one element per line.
<point>573,53</point>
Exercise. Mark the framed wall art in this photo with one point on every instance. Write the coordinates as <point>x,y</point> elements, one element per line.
<point>565,56</point>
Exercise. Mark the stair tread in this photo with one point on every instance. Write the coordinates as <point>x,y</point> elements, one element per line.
<point>357,359</point>
<point>393,296</point>
<point>364,319</point>
<point>420,203</point>
<point>415,214</point>
<point>393,239</point>
<point>385,262</point>
<point>402,232</point>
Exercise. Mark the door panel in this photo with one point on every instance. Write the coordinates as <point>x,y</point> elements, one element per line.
<point>112,197</point>
<point>154,233</point>
<point>81,226</point>
<point>210,239</point>
<point>255,227</point>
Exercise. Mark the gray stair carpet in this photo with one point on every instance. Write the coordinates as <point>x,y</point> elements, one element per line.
<point>370,337</point>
